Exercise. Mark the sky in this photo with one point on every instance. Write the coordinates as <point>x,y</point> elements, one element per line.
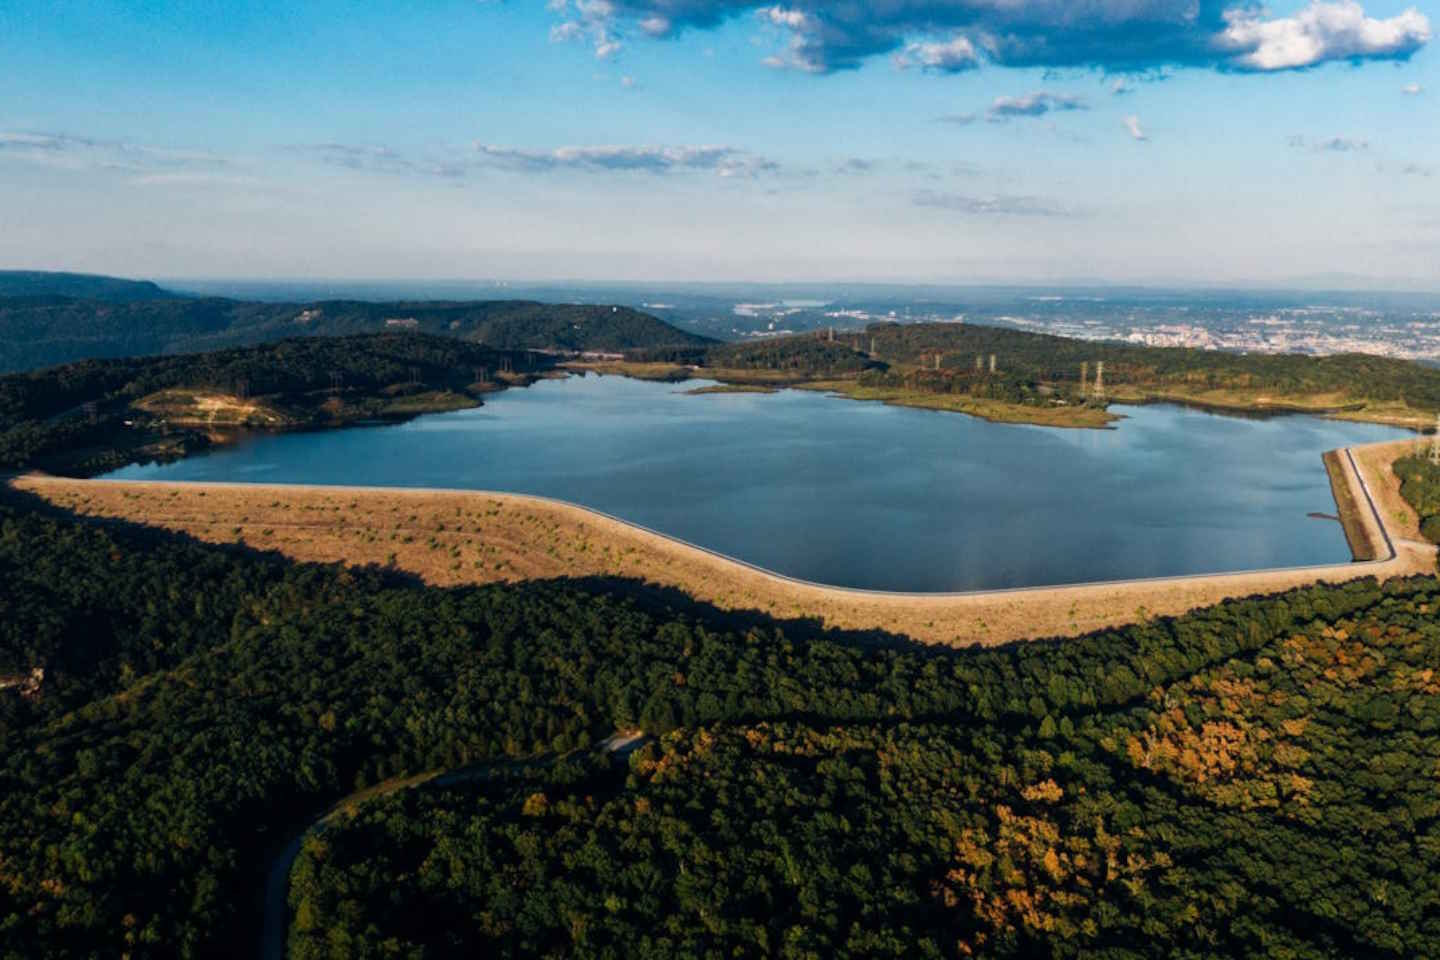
<point>952,141</point>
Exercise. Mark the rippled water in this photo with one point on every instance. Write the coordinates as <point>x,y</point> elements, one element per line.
<point>861,494</point>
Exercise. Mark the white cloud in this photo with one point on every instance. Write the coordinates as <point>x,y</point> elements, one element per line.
<point>783,17</point>
<point>1132,124</point>
<point>1034,105</point>
<point>952,56</point>
<point>998,205</point>
<point>565,32</point>
<point>71,152</point>
<point>723,161</point>
<point>593,19</point>
<point>1321,32</point>
<point>1412,89</point>
<point>1337,144</point>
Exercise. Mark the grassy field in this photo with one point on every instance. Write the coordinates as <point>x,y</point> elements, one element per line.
<point>767,381</point>
<point>452,538</point>
<point>996,411</point>
<point>1334,405</point>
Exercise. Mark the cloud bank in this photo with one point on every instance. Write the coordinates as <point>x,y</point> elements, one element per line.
<point>999,205</point>
<point>949,36</point>
<point>1034,105</point>
<point>72,152</point>
<point>721,160</point>
<point>1330,144</point>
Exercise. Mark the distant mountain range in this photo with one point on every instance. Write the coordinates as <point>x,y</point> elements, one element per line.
<point>52,318</point>
<point>39,283</point>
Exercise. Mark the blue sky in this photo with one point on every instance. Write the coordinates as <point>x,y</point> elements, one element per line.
<point>1160,141</point>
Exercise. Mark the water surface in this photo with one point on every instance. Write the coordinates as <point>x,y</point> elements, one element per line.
<point>861,494</point>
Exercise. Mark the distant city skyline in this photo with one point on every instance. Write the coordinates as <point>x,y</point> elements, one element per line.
<point>959,142</point>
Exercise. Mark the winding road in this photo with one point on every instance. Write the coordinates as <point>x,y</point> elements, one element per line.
<point>275,927</point>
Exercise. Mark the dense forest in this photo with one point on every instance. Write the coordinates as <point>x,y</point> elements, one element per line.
<point>96,415</point>
<point>1254,779</point>
<point>40,331</point>
<point>1420,486</point>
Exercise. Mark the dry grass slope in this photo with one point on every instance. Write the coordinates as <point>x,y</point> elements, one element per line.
<point>450,538</point>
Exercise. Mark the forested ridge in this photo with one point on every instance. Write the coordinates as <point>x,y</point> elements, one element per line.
<point>1255,779</point>
<point>42,283</point>
<point>1041,369</point>
<point>88,417</point>
<point>40,331</point>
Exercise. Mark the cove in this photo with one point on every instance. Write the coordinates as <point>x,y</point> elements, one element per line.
<point>860,494</point>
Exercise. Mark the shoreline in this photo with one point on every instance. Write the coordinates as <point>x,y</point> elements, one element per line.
<point>1002,412</point>
<point>454,538</point>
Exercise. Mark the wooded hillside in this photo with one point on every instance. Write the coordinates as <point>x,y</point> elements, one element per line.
<point>44,331</point>
<point>88,417</point>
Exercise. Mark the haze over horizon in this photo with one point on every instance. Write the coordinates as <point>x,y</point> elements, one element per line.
<point>1164,142</point>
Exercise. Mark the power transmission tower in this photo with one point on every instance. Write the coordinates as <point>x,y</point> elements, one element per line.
<point>832,334</point>
<point>992,363</point>
<point>1435,443</point>
<point>337,380</point>
<point>872,346</point>
<point>414,376</point>
<point>242,389</point>
<point>1084,377</point>
<point>937,361</point>
<point>1100,380</point>
<point>92,411</point>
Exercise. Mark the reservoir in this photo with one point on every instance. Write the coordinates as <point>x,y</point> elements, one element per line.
<point>860,494</point>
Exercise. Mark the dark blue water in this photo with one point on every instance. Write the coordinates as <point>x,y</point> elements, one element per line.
<point>861,494</point>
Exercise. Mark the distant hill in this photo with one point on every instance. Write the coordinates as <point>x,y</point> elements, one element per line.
<point>40,283</point>
<point>45,330</point>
